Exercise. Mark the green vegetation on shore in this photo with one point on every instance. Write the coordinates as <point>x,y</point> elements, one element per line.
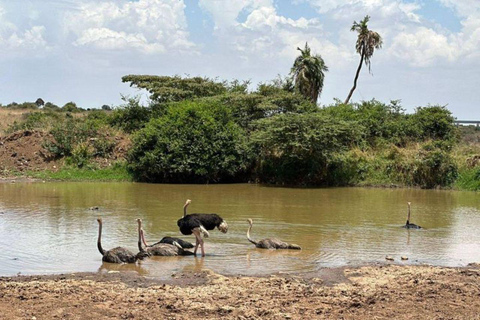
<point>201,130</point>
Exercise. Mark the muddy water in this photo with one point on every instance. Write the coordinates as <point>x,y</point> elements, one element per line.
<point>49,228</point>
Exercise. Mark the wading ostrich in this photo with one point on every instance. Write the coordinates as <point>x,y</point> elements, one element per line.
<point>159,249</point>
<point>409,225</point>
<point>198,224</point>
<point>270,243</point>
<point>115,255</point>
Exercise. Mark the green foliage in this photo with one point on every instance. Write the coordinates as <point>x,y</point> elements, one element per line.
<point>81,154</point>
<point>170,89</point>
<point>434,122</point>
<point>308,73</point>
<point>71,107</point>
<point>195,142</point>
<point>25,105</point>
<point>130,116</point>
<point>431,167</point>
<point>35,120</point>
<point>51,107</point>
<point>469,179</point>
<point>296,148</point>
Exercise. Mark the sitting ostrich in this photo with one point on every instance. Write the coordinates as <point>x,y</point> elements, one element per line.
<point>198,224</point>
<point>158,249</point>
<point>115,255</point>
<point>170,240</point>
<point>270,243</point>
<point>409,225</point>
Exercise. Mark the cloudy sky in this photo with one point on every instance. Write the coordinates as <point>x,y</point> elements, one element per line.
<point>78,50</point>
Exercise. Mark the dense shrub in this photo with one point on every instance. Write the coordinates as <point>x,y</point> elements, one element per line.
<point>194,142</point>
<point>71,107</point>
<point>130,116</point>
<point>430,167</point>
<point>296,148</point>
<point>434,122</point>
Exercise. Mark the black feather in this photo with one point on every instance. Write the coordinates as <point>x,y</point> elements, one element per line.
<point>184,244</point>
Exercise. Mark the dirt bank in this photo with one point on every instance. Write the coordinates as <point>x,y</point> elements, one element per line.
<point>370,292</point>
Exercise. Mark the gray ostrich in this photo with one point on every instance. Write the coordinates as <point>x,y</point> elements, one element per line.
<point>270,243</point>
<point>115,255</point>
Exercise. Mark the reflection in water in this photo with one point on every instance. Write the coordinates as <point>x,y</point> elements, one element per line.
<point>48,227</point>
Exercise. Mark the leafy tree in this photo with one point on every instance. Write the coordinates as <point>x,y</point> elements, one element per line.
<point>297,149</point>
<point>308,73</point>
<point>367,42</point>
<point>193,142</point>
<point>168,89</point>
<point>39,102</point>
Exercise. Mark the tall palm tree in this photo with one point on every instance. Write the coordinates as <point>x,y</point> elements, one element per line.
<point>308,73</point>
<point>367,42</point>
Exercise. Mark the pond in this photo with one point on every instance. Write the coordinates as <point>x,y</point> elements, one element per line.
<point>49,228</point>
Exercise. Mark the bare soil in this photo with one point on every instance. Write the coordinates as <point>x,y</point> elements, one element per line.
<point>369,292</point>
<point>24,151</point>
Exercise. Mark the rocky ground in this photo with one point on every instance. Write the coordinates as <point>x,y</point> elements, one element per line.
<point>369,292</point>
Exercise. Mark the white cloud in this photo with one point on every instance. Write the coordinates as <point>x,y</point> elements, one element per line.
<point>422,47</point>
<point>15,41</point>
<point>147,26</point>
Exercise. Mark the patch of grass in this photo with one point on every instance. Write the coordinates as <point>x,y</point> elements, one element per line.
<point>117,172</point>
<point>468,179</point>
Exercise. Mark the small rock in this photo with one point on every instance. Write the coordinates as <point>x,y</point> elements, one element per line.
<point>113,271</point>
<point>93,208</point>
<point>404,258</point>
<point>389,258</point>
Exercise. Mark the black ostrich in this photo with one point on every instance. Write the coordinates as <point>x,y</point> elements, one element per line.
<point>170,240</point>
<point>115,255</point>
<point>409,225</point>
<point>270,243</point>
<point>158,249</point>
<point>198,224</point>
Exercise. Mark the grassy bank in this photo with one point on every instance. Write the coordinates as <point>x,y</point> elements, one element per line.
<point>117,172</point>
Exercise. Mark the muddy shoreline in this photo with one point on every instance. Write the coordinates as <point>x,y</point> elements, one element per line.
<point>366,292</point>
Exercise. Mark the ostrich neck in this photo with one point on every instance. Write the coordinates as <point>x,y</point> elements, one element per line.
<point>248,235</point>
<point>99,241</point>
<point>185,210</point>
<point>143,239</point>
<point>408,217</point>
<point>140,248</point>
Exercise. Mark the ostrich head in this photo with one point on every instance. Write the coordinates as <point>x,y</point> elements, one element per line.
<point>250,221</point>
<point>99,220</point>
<point>409,203</point>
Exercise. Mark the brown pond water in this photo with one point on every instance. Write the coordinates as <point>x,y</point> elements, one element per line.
<point>48,227</point>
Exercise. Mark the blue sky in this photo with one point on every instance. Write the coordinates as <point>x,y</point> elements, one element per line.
<point>78,50</point>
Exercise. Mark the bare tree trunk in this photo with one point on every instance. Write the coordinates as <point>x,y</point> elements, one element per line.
<point>356,77</point>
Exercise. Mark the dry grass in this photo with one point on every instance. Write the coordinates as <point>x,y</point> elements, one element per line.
<point>9,116</point>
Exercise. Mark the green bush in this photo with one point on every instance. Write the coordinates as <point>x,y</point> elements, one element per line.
<point>71,107</point>
<point>431,167</point>
<point>194,142</point>
<point>296,149</point>
<point>434,122</point>
<point>469,179</point>
<point>130,116</point>
<point>81,154</point>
